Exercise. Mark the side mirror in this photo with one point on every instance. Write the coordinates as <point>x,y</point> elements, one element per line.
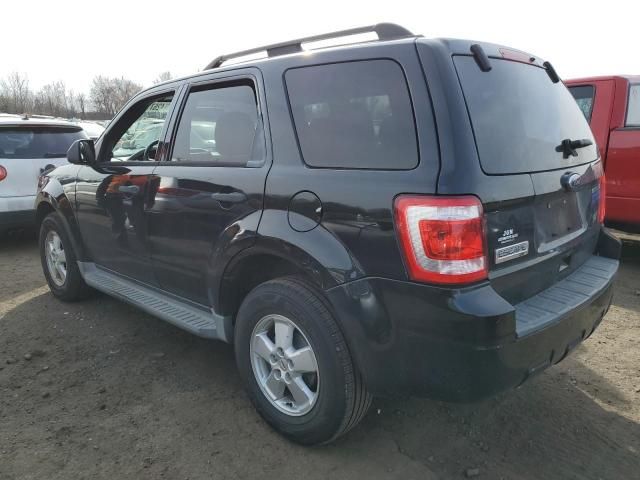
<point>82,152</point>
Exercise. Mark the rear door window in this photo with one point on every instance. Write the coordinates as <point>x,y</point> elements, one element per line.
<point>633,111</point>
<point>520,116</point>
<point>354,115</point>
<point>220,125</point>
<point>584,95</point>
<point>38,142</point>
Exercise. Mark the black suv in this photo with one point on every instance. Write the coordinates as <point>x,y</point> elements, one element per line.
<point>400,215</point>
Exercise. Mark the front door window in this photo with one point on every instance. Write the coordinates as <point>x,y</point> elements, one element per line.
<point>138,135</point>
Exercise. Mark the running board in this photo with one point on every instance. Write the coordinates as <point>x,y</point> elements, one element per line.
<point>199,321</point>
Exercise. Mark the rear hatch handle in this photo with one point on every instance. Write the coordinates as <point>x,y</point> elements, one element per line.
<point>568,147</point>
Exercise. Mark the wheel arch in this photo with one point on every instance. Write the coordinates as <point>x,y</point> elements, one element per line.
<point>323,262</point>
<point>53,198</point>
<point>251,268</point>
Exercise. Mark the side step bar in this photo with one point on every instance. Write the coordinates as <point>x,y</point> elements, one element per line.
<point>183,314</point>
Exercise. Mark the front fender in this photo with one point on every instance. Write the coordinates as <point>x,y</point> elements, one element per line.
<point>58,194</point>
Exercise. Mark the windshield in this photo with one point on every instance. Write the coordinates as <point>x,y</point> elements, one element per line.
<point>520,116</point>
<point>37,142</point>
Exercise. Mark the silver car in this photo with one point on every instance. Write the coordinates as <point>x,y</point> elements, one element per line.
<point>28,147</point>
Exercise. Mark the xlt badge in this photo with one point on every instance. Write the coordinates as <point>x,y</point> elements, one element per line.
<point>510,252</point>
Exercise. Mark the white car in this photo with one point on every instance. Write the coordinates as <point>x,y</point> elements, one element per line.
<point>92,129</point>
<point>28,147</point>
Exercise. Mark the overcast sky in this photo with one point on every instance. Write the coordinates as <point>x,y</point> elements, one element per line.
<point>74,40</point>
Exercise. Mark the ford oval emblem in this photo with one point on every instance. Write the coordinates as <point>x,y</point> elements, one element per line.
<point>570,181</point>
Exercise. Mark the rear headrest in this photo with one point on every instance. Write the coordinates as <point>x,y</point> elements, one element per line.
<point>234,136</point>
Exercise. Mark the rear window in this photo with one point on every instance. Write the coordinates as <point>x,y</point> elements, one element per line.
<point>37,142</point>
<point>633,111</point>
<point>519,116</point>
<point>584,98</point>
<point>354,115</point>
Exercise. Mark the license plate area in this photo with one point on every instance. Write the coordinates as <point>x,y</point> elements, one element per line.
<point>557,216</point>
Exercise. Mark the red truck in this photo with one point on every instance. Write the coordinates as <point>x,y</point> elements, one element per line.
<point>612,108</point>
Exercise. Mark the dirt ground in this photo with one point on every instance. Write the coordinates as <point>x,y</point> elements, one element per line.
<point>100,390</point>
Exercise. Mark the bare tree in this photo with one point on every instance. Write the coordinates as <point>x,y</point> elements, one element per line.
<point>163,77</point>
<point>102,95</point>
<point>55,99</point>
<point>4,101</point>
<point>16,93</point>
<point>110,94</point>
<point>81,102</point>
<point>125,89</point>
<point>107,96</point>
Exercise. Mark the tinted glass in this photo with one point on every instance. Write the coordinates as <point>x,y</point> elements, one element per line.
<point>584,98</point>
<point>519,116</point>
<point>354,115</point>
<point>220,126</point>
<point>37,142</point>
<point>145,130</point>
<point>633,111</point>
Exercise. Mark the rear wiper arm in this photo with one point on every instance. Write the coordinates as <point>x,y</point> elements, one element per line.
<point>568,147</point>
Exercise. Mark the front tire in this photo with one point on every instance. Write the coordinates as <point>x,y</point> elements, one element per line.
<point>59,261</point>
<point>295,363</point>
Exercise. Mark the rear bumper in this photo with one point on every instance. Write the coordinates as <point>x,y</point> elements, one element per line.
<point>463,345</point>
<point>17,212</point>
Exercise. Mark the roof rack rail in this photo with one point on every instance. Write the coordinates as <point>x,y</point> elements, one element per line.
<point>385,31</point>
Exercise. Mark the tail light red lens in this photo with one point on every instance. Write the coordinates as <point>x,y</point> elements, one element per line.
<point>3,173</point>
<point>602,203</point>
<point>442,238</point>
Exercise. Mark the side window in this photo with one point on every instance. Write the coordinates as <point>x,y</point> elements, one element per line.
<point>584,95</point>
<point>355,115</point>
<point>633,110</point>
<point>136,136</point>
<point>220,125</point>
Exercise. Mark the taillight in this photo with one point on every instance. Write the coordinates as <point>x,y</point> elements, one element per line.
<point>603,199</point>
<point>442,238</point>
<point>3,173</point>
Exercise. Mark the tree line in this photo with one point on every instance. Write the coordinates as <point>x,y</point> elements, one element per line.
<point>107,95</point>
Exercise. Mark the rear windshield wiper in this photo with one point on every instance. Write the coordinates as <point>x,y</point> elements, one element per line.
<point>54,155</point>
<point>568,147</point>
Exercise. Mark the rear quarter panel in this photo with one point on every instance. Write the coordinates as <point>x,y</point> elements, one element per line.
<point>357,205</point>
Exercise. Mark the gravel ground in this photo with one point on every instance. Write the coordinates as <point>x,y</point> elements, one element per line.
<point>99,389</point>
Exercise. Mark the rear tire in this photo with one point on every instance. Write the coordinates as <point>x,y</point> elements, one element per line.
<point>337,397</point>
<point>59,261</point>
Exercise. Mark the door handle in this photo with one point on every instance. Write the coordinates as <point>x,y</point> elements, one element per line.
<point>233,197</point>
<point>129,189</point>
